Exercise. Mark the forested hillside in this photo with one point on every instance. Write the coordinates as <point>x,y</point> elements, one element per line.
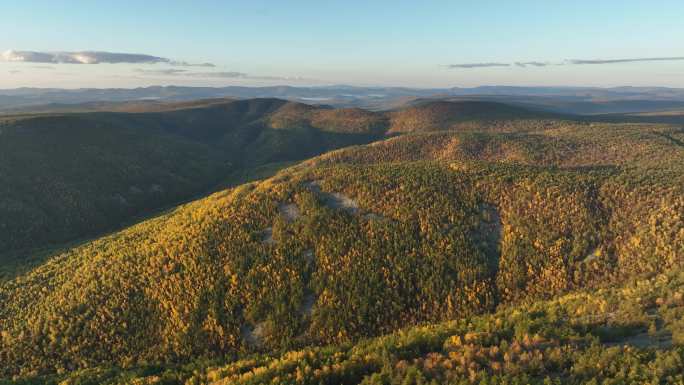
<point>329,252</point>
<point>630,334</point>
<point>439,115</point>
<point>530,251</point>
<point>66,176</point>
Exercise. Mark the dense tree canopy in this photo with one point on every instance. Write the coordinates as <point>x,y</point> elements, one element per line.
<point>530,253</point>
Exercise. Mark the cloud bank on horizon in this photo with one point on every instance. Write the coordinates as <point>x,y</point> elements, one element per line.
<point>478,65</point>
<point>566,62</point>
<point>91,57</point>
<point>633,60</point>
<point>214,75</point>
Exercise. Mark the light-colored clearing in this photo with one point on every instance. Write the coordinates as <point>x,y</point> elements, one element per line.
<point>253,336</point>
<point>267,236</point>
<point>334,200</point>
<point>289,211</point>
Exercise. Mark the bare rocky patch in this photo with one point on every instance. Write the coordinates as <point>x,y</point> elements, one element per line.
<point>253,335</point>
<point>491,221</point>
<point>289,211</point>
<point>267,236</point>
<point>343,202</point>
<point>335,200</point>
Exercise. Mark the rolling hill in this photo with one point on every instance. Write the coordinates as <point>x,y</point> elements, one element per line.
<point>66,176</point>
<point>70,175</point>
<point>567,100</point>
<point>131,106</point>
<point>426,227</point>
<point>466,115</point>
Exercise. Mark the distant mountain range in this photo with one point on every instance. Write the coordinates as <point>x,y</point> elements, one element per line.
<point>575,100</point>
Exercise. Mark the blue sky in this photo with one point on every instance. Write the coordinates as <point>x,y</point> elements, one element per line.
<point>403,43</point>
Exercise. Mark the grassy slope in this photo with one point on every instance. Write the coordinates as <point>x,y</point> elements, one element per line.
<point>202,280</point>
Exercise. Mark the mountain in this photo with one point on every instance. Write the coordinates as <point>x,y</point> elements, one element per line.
<point>133,106</point>
<point>422,228</point>
<point>436,115</point>
<point>568,100</point>
<point>66,176</point>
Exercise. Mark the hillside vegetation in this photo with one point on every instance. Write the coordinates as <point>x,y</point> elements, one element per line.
<point>66,176</point>
<point>330,254</point>
<point>631,334</point>
<point>530,252</point>
<point>469,115</point>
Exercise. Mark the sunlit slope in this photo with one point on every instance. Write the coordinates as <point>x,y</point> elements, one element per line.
<point>572,144</point>
<point>328,255</point>
<point>632,333</point>
<point>329,119</point>
<point>132,106</point>
<point>627,334</point>
<point>427,116</point>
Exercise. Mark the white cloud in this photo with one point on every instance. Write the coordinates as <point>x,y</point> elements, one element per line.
<point>630,60</point>
<point>566,62</point>
<point>212,75</point>
<point>478,65</point>
<point>90,57</point>
<point>165,72</point>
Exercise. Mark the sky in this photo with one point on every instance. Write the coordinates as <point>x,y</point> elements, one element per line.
<point>428,43</point>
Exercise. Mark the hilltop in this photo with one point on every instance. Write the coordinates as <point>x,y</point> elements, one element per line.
<point>441,115</point>
<point>132,106</point>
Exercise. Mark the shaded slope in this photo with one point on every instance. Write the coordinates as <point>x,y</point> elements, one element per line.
<point>62,177</point>
<point>65,176</point>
